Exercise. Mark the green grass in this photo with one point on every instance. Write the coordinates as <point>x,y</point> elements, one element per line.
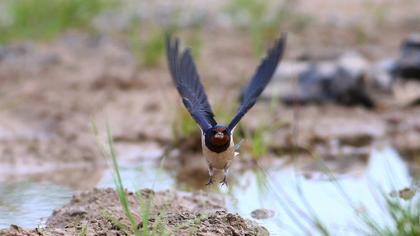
<point>183,126</point>
<point>264,20</point>
<point>83,232</point>
<point>403,209</point>
<point>159,226</point>
<point>147,40</point>
<point>150,51</point>
<point>259,143</point>
<point>143,203</point>
<point>405,215</point>
<point>44,19</point>
<point>377,11</point>
<point>361,35</point>
<point>153,48</point>
<point>260,138</point>
<point>148,47</point>
<point>111,156</point>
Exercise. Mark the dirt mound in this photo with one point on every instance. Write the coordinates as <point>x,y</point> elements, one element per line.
<point>173,212</point>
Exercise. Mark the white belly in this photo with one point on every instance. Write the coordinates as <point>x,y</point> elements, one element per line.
<point>219,160</point>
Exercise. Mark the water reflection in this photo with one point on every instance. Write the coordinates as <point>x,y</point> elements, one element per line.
<point>291,194</point>
<point>138,168</point>
<point>136,177</point>
<point>29,204</point>
<point>297,199</point>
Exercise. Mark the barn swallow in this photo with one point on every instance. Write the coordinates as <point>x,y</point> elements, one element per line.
<point>217,139</point>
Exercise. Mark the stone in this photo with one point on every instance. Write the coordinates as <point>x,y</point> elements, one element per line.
<point>339,80</point>
<point>408,63</point>
<point>262,213</point>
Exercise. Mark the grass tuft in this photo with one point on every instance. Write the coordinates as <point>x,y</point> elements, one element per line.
<point>405,215</point>
<point>183,126</point>
<point>259,144</point>
<point>44,19</point>
<point>146,40</point>
<point>148,48</point>
<point>111,156</point>
<point>159,226</point>
<point>263,20</point>
<point>402,206</point>
<point>83,232</point>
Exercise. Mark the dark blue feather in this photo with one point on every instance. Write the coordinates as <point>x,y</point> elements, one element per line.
<point>187,82</point>
<point>260,80</point>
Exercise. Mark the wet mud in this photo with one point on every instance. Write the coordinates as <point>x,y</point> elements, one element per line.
<point>177,213</point>
<point>48,109</point>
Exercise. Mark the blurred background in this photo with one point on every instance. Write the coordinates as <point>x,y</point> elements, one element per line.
<point>339,121</point>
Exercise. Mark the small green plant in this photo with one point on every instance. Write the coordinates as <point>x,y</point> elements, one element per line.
<point>150,51</point>
<point>259,143</point>
<point>154,48</point>
<point>378,11</point>
<point>195,41</point>
<point>183,125</point>
<point>192,224</point>
<point>144,203</point>
<point>402,206</point>
<point>148,48</point>
<point>260,138</point>
<point>405,215</point>
<point>44,19</point>
<point>147,40</point>
<point>83,232</point>
<point>160,226</point>
<point>264,20</point>
<point>360,33</point>
<point>111,156</point>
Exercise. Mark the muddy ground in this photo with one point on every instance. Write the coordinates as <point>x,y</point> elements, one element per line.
<point>50,93</point>
<point>50,96</point>
<point>170,212</point>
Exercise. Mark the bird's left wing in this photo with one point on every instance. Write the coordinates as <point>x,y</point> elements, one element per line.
<point>260,80</point>
<point>187,81</point>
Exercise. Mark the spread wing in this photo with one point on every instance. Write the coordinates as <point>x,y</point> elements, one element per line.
<point>260,80</point>
<point>187,82</point>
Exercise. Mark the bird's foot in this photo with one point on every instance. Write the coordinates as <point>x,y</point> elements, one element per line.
<point>210,181</point>
<point>224,181</point>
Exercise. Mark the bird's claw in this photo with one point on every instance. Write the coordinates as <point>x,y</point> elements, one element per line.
<point>210,181</point>
<point>224,181</point>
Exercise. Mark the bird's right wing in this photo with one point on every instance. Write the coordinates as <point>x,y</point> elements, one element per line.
<point>187,82</point>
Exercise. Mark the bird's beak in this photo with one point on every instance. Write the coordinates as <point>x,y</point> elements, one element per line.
<point>219,135</point>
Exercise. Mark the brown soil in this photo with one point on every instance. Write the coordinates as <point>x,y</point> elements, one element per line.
<point>177,213</point>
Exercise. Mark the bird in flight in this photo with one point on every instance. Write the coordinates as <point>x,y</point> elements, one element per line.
<point>217,139</point>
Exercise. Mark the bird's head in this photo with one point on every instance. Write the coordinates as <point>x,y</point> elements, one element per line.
<point>218,135</point>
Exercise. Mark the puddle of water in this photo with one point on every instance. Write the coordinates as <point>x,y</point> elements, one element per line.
<point>138,177</point>
<point>294,197</point>
<point>138,169</point>
<point>282,190</point>
<point>29,204</point>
